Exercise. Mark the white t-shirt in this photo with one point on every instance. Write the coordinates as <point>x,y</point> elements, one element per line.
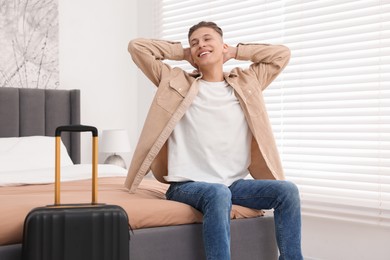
<point>211,143</point>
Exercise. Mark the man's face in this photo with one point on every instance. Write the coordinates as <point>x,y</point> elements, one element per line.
<point>207,47</point>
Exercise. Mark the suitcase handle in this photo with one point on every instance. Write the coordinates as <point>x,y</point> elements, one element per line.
<point>76,128</point>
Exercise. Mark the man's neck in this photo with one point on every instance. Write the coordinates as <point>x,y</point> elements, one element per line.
<point>212,74</point>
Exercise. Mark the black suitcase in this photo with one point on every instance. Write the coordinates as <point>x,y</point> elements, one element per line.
<point>76,231</point>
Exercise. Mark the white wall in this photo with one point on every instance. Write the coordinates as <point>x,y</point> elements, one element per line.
<point>146,89</point>
<point>93,38</point>
<point>328,239</point>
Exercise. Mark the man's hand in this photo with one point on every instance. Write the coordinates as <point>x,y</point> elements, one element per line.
<point>188,57</point>
<point>230,54</point>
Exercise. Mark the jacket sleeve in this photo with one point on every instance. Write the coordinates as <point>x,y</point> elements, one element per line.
<point>148,55</point>
<point>267,60</point>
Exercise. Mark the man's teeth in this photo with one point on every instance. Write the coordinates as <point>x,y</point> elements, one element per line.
<point>203,53</point>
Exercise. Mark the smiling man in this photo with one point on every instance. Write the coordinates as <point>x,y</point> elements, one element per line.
<point>208,130</point>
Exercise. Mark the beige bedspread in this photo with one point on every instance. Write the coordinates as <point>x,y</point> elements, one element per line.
<point>147,208</point>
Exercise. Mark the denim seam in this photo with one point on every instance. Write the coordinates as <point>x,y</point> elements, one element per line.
<point>279,226</point>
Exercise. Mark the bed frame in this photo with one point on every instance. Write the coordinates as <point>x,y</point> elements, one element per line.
<point>26,112</point>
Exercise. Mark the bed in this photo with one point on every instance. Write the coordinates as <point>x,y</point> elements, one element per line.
<point>162,229</point>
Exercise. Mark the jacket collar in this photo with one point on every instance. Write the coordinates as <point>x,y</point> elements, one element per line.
<point>198,75</point>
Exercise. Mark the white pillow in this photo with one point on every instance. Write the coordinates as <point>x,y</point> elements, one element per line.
<point>30,152</point>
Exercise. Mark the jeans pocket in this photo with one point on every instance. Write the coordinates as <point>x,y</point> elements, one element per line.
<point>168,193</point>
<point>173,188</point>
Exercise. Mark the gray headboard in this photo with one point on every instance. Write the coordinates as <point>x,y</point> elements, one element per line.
<point>27,112</point>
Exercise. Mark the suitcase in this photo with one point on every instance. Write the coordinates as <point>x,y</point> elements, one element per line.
<point>76,231</point>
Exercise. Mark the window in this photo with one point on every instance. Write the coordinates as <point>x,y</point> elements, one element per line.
<point>330,108</point>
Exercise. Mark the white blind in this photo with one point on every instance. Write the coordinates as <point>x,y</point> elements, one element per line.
<point>330,108</point>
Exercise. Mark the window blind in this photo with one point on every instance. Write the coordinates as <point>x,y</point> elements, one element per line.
<point>330,108</point>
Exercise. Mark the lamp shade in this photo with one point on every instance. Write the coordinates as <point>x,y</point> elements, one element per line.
<point>115,141</point>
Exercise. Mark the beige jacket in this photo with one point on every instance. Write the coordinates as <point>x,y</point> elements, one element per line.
<point>176,91</point>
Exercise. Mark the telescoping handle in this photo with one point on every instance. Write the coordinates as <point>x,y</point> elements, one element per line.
<point>76,128</point>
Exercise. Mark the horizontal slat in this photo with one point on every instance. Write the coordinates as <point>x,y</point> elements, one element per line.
<point>297,173</point>
<point>356,189</point>
<point>332,168</point>
<point>358,113</point>
<point>333,104</point>
<point>280,88</point>
<point>332,154</point>
<point>334,163</point>
<point>339,81</point>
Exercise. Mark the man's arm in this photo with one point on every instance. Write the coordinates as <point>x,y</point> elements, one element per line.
<point>148,55</point>
<point>268,60</point>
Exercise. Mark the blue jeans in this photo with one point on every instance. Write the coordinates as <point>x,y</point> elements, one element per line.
<point>215,202</point>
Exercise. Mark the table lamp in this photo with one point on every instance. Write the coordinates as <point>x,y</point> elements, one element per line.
<point>115,141</point>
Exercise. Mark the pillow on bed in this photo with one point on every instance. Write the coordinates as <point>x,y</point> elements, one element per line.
<point>30,152</point>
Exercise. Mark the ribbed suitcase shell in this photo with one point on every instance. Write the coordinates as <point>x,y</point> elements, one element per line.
<point>98,232</point>
<point>76,231</point>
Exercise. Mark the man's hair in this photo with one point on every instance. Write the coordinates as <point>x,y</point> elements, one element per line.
<point>201,24</point>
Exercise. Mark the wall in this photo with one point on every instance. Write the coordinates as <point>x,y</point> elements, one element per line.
<point>93,37</point>
<point>146,90</point>
<point>328,239</point>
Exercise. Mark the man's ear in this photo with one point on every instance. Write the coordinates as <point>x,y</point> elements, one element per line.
<point>225,48</point>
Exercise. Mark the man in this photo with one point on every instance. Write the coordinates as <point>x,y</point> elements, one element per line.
<point>207,130</point>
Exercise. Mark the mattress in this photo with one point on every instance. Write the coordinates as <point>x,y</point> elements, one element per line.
<point>146,208</point>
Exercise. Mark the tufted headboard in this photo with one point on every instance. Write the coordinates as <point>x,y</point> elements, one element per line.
<point>27,112</point>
